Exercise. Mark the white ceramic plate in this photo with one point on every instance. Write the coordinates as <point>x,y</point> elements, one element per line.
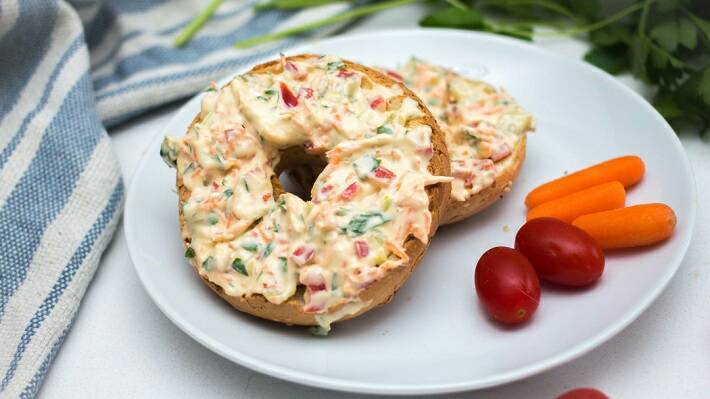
<point>433,337</point>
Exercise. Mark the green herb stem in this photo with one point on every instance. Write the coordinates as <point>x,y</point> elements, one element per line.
<point>290,4</point>
<point>644,16</point>
<point>457,4</point>
<point>552,6</point>
<point>346,16</point>
<point>599,24</point>
<point>191,29</point>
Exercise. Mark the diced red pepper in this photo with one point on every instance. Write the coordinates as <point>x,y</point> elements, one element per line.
<point>350,191</point>
<point>361,248</point>
<point>215,185</point>
<point>326,189</point>
<point>289,98</point>
<point>468,180</point>
<point>314,280</point>
<point>383,173</point>
<point>378,103</point>
<point>306,92</point>
<point>428,151</point>
<point>316,288</point>
<point>303,254</point>
<point>344,73</point>
<point>501,152</point>
<point>290,66</point>
<point>310,308</point>
<point>395,75</point>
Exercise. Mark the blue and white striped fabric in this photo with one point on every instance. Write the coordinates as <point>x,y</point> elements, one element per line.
<point>68,70</point>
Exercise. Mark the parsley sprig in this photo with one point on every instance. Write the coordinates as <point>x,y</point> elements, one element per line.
<point>664,43</point>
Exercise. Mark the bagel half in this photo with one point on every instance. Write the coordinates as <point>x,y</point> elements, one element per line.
<point>292,311</point>
<point>466,107</point>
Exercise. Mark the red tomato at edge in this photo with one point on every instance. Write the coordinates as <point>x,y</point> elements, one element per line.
<point>583,393</point>
<point>560,253</point>
<point>507,285</point>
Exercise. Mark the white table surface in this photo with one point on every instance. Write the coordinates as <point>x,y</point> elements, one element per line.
<point>121,345</point>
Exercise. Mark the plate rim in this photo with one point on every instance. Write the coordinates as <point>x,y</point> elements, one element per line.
<point>314,380</point>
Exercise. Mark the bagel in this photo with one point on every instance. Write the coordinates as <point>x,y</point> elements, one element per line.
<point>373,208</point>
<point>485,132</point>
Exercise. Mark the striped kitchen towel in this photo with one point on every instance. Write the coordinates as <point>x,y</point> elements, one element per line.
<point>68,70</point>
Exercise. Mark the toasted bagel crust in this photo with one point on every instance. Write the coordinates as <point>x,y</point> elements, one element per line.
<point>506,171</point>
<point>291,311</point>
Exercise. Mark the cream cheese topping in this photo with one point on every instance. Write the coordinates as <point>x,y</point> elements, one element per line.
<point>367,201</point>
<point>482,125</point>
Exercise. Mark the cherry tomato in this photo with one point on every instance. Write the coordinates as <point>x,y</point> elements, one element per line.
<point>583,393</point>
<point>560,253</point>
<point>507,285</point>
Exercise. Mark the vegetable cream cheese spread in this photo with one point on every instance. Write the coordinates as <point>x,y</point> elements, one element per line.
<point>482,125</point>
<point>367,201</point>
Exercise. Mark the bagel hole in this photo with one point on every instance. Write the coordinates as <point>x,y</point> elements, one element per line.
<point>298,170</point>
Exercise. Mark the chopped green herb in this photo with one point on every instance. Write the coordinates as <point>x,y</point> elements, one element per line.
<point>342,212</point>
<point>228,192</point>
<point>384,130</point>
<point>361,223</point>
<point>281,203</point>
<point>190,167</point>
<point>212,219</point>
<point>335,65</point>
<point>365,165</point>
<point>246,184</point>
<point>262,98</point>
<point>283,263</point>
<point>470,134</point>
<point>189,252</point>
<point>210,90</point>
<point>269,248</point>
<point>270,92</point>
<point>238,265</point>
<point>318,331</point>
<point>169,153</point>
<point>208,263</point>
<point>334,282</point>
<point>250,246</point>
<point>386,203</point>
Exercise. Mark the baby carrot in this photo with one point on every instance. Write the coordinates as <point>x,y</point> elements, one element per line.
<point>594,199</point>
<point>627,170</point>
<point>634,226</point>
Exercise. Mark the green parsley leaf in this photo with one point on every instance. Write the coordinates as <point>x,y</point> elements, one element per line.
<point>453,17</point>
<point>335,65</point>
<point>688,34</point>
<point>212,219</point>
<point>384,130</point>
<point>267,251</point>
<point>667,34</point>
<point>208,263</point>
<point>189,252</point>
<point>239,266</point>
<point>361,223</point>
<point>607,59</point>
<point>251,246</point>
